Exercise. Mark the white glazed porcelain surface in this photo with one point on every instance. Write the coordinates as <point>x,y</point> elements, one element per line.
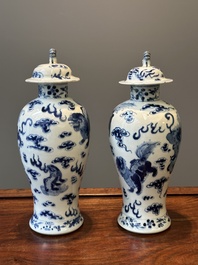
<point>145,74</point>
<point>53,72</point>
<point>53,139</point>
<point>145,134</point>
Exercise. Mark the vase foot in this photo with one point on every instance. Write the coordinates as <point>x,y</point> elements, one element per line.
<point>144,226</point>
<point>57,227</point>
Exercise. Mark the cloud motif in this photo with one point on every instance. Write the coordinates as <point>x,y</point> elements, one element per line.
<point>69,198</point>
<point>64,160</point>
<point>128,116</point>
<point>65,134</point>
<point>155,108</point>
<point>68,145</point>
<point>51,215</point>
<point>34,103</point>
<point>37,191</point>
<point>154,208</point>
<point>158,184</point>
<point>33,173</point>
<point>161,161</point>
<point>45,124</point>
<point>74,179</point>
<point>49,203</point>
<point>69,104</point>
<point>119,134</point>
<point>37,139</point>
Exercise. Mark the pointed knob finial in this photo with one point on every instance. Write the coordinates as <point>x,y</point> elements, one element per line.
<point>52,56</point>
<point>146,59</point>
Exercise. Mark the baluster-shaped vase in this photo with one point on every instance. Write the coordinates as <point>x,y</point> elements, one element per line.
<point>145,134</point>
<point>53,139</point>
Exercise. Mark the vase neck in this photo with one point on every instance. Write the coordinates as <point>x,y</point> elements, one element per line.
<point>53,90</point>
<point>145,93</point>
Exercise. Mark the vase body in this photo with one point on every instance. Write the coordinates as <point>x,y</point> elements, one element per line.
<point>53,139</point>
<point>145,134</point>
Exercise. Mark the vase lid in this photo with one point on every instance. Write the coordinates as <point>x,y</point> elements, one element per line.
<point>145,74</point>
<point>53,72</point>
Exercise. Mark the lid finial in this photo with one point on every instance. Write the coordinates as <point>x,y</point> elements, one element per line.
<point>145,75</point>
<point>52,56</point>
<point>146,59</point>
<point>52,72</point>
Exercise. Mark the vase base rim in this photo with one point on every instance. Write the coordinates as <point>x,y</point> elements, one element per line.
<point>144,226</point>
<point>56,228</point>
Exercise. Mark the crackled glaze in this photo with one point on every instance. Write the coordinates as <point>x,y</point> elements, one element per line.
<point>145,134</point>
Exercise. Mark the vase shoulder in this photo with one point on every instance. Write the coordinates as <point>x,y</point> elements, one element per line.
<point>143,106</point>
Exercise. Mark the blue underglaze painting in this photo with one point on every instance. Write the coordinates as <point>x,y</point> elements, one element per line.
<point>54,184</point>
<point>145,135</point>
<point>139,168</point>
<point>80,123</point>
<point>53,139</point>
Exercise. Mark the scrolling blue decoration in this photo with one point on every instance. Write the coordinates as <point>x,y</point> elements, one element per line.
<point>53,140</point>
<point>145,135</point>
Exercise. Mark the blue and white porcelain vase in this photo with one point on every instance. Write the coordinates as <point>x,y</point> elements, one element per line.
<point>145,134</point>
<point>53,139</point>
